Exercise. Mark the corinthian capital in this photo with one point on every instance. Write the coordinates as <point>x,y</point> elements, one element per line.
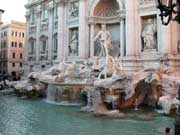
<point>50,5</point>
<point>38,10</point>
<point>63,2</point>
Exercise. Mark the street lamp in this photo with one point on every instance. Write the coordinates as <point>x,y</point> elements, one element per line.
<point>169,10</point>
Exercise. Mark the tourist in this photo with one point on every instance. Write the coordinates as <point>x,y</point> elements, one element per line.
<point>167,131</point>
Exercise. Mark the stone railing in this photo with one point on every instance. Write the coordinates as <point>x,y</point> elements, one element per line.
<point>145,2</point>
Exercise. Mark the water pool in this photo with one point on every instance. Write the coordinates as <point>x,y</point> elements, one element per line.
<point>36,117</point>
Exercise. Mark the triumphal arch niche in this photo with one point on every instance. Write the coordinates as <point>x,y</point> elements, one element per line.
<point>107,15</point>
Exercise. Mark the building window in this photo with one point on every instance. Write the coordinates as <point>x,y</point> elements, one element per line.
<point>20,44</point>
<point>21,55</point>
<point>14,55</point>
<point>55,48</point>
<point>31,46</point>
<point>1,45</point>
<point>15,44</point>
<point>43,47</point>
<point>20,64</point>
<point>12,44</point>
<point>19,34</point>
<point>5,34</point>
<point>4,55</point>
<point>32,17</point>
<point>16,34</point>
<point>4,44</point>
<point>44,14</point>
<point>13,64</point>
<point>56,11</point>
<point>23,34</point>
<point>12,33</point>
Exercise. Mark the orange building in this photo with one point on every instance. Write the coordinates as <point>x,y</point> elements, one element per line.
<point>12,47</point>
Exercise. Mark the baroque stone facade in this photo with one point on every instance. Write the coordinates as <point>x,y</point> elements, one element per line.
<point>60,30</point>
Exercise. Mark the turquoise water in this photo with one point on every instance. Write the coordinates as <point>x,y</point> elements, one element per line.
<point>35,117</point>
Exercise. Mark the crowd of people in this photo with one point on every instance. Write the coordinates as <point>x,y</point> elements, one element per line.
<point>6,77</point>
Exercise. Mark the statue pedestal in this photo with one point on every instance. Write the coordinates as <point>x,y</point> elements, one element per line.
<point>150,58</point>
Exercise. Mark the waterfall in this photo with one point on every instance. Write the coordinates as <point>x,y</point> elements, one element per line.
<point>113,105</point>
<point>61,95</point>
<point>136,105</point>
<point>89,100</point>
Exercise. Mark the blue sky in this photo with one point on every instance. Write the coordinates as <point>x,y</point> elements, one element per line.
<point>14,10</point>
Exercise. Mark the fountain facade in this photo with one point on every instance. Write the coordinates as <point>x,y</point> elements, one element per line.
<point>91,58</point>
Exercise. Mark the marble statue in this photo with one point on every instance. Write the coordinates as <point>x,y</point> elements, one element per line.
<point>148,35</point>
<point>107,65</point>
<point>74,43</point>
<point>167,103</point>
<point>118,72</point>
<point>70,70</point>
<point>74,11</point>
<point>105,41</point>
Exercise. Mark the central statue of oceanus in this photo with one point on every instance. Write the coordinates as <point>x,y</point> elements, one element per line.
<point>105,41</point>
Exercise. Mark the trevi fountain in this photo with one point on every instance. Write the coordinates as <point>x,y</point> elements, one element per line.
<point>116,71</point>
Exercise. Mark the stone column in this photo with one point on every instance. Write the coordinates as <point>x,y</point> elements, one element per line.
<point>50,31</point>
<point>61,30</point>
<point>165,38</point>
<point>130,28</point>
<point>83,29</point>
<point>92,41</point>
<point>122,38</point>
<point>38,27</point>
<point>66,42</point>
<point>175,37</point>
<point>169,38</point>
<point>26,51</point>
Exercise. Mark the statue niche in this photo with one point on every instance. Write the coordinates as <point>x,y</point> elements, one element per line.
<point>73,42</point>
<point>149,35</point>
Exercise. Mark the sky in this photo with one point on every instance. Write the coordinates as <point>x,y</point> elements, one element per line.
<point>14,10</point>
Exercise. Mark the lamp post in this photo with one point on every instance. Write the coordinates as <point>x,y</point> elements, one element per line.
<point>169,10</point>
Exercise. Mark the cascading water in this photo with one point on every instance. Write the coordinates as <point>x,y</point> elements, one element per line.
<point>136,105</point>
<point>62,95</point>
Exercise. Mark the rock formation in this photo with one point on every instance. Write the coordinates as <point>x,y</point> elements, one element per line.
<point>106,86</point>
